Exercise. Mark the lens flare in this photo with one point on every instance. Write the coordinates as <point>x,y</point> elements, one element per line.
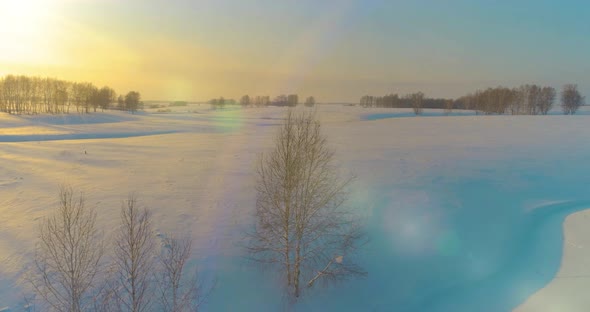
<point>448,243</point>
<point>229,120</point>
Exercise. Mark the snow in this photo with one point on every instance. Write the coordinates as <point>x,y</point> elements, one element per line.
<point>464,213</point>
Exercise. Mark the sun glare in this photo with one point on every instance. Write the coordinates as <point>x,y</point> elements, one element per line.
<point>25,29</point>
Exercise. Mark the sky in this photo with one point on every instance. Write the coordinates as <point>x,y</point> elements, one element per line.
<point>335,50</point>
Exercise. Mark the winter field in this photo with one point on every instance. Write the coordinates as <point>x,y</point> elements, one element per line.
<point>464,212</point>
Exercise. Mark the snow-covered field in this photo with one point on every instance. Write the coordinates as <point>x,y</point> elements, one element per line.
<point>464,213</point>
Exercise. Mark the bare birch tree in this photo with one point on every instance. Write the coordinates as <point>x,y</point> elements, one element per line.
<point>180,289</point>
<point>302,226</point>
<point>571,99</point>
<point>134,258</point>
<point>310,101</point>
<point>547,99</point>
<point>449,106</point>
<point>417,100</point>
<point>245,101</point>
<point>68,255</point>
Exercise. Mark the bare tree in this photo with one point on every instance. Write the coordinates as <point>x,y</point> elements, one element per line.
<point>531,96</point>
<point>310,101</point>
<point>245,101</point>
<point>121,102</point>
<point>449,106</point>
<point>257,101</point>
<point>571,99</point>
<point>132,101</point>
<point>134,258</point>
<point>68,255</point>
<point>106,96</point>
<point>180,289</point>
<point>417,100</point>
<point>302,226</point>
<point>292,100</point>
<point>547,98</point>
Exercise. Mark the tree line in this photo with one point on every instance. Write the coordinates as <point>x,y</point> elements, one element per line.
<point>282,100</point>
<point>35,95</point>
<point>523,100</point>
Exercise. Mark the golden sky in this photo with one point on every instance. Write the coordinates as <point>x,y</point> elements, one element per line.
<point>336,50</point>
<point>155,48</point>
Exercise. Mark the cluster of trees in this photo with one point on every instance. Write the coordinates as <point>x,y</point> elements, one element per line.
<point>221,102</point>
<point>302,229</point>
<point>523,100</point>
<point>258,101</point>
<point>35,95</point>
<point>290,100</point>
<point>131,102</point>
<point>70,272</point>
<point>417,101</point>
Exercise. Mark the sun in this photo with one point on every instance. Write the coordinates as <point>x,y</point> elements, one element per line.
<point>25,26</point>
<point>24,16</point>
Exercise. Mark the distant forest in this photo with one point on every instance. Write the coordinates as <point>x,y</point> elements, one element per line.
<point>290,100</point>
<point>523,100</point>
<point>35,95</point>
